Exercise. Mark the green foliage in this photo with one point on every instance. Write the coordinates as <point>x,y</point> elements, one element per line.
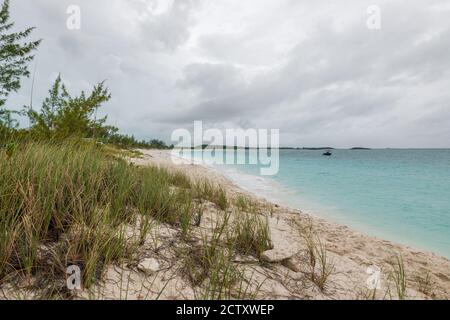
<point>44,122</point>
<point>127,141</point>
<point>62,115</point>
<point>15,54</point>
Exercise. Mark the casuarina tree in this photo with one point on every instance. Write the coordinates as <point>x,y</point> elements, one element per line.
<point>15,54</point>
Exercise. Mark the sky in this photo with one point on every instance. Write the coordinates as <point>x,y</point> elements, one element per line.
<point>314,70</point>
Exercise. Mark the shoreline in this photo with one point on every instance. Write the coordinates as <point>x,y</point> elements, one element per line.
<point>316,213</point>
<point>352,251</point>
<point>234,175</point>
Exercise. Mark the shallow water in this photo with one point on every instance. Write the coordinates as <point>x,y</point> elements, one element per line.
<point>398,195</point>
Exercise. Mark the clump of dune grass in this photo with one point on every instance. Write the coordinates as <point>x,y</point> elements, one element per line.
<point>425,283</point>
<point>114,151</point>
<point>214,276</point>
<point>241,203</point>
<point>74,199</point>
<point>211,270</point>
<point>326,267</point>
<point>398,277</point>
<point>321,268</point>
<point>180,179</point>
<point>367,294</point>
<point>201,259</point>
<point>205,190</point>
<point>245,203</point>
<point>250,234</point>
<point>48,192</point>
<point>227,281</point>
<point>185,212</point>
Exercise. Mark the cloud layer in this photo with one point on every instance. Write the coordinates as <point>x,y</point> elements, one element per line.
<point>313,70</point>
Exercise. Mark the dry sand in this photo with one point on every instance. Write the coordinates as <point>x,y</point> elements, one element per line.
<point>351,253</point>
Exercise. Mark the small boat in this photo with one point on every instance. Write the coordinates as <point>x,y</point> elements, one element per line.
<point>328,154</point>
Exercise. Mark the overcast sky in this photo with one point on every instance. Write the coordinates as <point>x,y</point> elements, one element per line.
<point>312,69</point>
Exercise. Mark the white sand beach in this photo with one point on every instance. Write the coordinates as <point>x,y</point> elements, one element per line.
<point>284,272</point>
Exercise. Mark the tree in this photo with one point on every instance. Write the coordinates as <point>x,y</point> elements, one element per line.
<point>44,121</point>
<point>62,116</point>
<point>15,54</point>
<point>126,141</point>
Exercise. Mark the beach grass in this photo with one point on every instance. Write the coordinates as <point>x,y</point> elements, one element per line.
<point>399,278</point>
<point>72,203</point>
<point>210,267</point>
<point>250,234</point>
<point>205,190</point>
<point>320,265</point>
<point>425,283</point>
<point>71,198</point>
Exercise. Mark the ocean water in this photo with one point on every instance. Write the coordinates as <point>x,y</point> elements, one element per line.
<point>397,195</point>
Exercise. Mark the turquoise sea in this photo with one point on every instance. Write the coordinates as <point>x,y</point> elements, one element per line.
<point>398,195</point>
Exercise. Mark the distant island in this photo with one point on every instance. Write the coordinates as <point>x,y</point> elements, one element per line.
<point>205,146</point>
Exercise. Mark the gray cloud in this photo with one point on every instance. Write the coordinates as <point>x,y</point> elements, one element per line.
<point>313,70</point>
<point>170,29</point>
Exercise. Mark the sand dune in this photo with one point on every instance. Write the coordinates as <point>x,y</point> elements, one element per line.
<point>354,258</point>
